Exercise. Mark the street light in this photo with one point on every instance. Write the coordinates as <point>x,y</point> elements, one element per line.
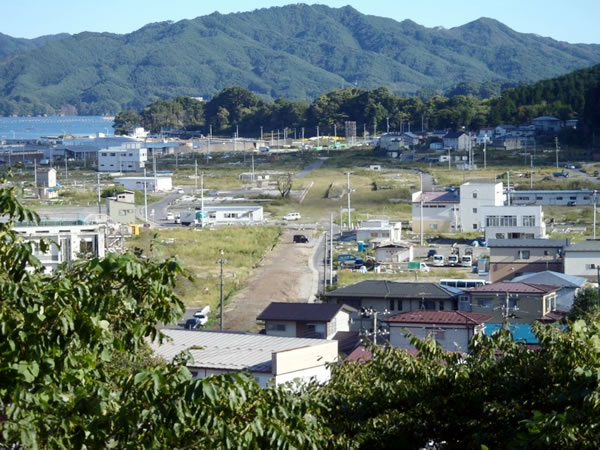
<point>222,261</point>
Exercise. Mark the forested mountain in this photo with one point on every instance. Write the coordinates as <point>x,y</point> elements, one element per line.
<point>9,45</point>
<point>296,52</point>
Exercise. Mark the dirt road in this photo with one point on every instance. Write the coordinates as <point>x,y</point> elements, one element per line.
<point>283,276</point>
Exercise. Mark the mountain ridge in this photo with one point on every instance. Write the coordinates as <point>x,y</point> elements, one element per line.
<point>297,51</point>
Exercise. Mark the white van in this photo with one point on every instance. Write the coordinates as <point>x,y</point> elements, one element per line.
<point>452,260</point>
<point>438,260</point>
<point>466,261</point>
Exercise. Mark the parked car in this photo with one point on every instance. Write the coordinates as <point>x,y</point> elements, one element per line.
<point>346,260</point>
<point>431,253</point>
<point>300,239</point>
<point>292,216</point>
<point>466,261</point>
<point>452,260</point>
<point>180,191</point>
<point>438,260</point>
<point>193,323</point>
<point>572,203</point>
<point>201,317</point>
<point>358,263</point>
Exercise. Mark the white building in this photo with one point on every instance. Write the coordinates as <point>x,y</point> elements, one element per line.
<point>130,157</point>
<point>513,222</point>
<point>46,178</point>
<point>269,359</point>
<point>221,215</point>
<point>440,211</point>
<point>546,124</point>
<point>68,241</point>
<point>121,207</point>
<point>553,197</point>
<point>475,195</point>
<point>453,330</point>
<point>583,259</point>
<point>379,229</point>
<point>394,252</point>
<point>160,183</point>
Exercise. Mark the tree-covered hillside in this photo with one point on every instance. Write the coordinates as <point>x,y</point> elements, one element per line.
<point>295,52</point>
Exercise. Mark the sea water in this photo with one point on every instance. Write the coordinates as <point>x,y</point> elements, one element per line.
<point>35,127</point>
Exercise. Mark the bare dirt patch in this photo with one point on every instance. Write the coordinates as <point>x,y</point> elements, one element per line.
<point>283,276</point>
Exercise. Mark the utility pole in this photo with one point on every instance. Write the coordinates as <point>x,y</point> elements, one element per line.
<point>531,174</point>
<point>35,173</point>
<point>145,196</point>
<point>330,255</point>
<point>595,196</point>
<point>202,200</point>
<point>556,145</point>
<point>99,201</point>
<point>349,213</point>
<point>387,119</point>
<point>195,177</point>
<point>334,134</point>
<point>506,309</point>
<point>261,132</point>
<point>154,168</point>
<point>325,265</point>
<point>508,188</point>
<point>449,160</point>
<point>222,261</point>
<point>375,327</point>
<point>484,152</point>
<point>252,154</point>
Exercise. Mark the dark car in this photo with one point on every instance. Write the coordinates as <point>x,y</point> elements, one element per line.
<point>572,203</point>
<point>300,239</point>
<point>358,263</point>
<point>193,323</point>
<point>431,253</point>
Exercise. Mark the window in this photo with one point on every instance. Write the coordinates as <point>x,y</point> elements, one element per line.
<point>441,305</point>
<point>433,226</point>
<point>475,226</point>
<point>523,254</point>
<point>230,215</point>
<point>539,198</point>
<point>559,198</point>
<point>474,210</point>
<point>529,221</point>
<point>276,326</point>
<point>573,198</point>
<point>429,305</point>
<point>590,266</point>
<point>484,302</point>
<point>474,194</point>
<point>391,305</point>
<point>546,253</point>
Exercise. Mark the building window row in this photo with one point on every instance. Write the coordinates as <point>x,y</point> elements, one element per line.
<point>501,221</point>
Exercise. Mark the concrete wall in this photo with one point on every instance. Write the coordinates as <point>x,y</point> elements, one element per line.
<point>505,263</point>
<point>508,232</point>
<point>120,211</point>
<point>300,362</point>
<point>583,197</point>
<point>272,328</point>
<point>436,216</point>
<point>582,264</point>
<point>451,338</point>
<point>395,255</point>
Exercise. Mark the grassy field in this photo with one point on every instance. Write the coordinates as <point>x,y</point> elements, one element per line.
<point>198,249</point>
<point>347,277</point>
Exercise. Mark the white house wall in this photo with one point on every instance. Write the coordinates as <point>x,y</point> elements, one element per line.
<point>582,264</point>
<point>450,338</point>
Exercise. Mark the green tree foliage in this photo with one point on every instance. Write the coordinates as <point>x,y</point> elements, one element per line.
<point>125,120</point>
<point>74,371</point>
<point>586,301</point>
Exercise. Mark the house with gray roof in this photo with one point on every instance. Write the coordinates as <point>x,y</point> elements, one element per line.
<point>440,211</point>
<point>453,330</point>
<point>514,302</point>
<point>569,286</point>
<point>307,320</point>
<point>269,359</point>
<point>583,259</point>
<point>510,258</point>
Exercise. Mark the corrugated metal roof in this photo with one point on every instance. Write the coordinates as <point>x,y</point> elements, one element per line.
<point>585,246</point>
<point>552,278</point>
<point>392,289</point>
<point>440,197</point>
<point>440,317</point>
<point>515,288</point>
<point>534,243</point>
<point>303,312</point>
<point>227,350</point>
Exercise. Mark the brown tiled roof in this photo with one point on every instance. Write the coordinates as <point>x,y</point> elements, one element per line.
<point>515,288</point>
<point>360,354</point>
<point>554,316</point>
<point>440,317</point>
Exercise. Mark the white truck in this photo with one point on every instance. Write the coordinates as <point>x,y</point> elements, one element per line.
<point>438,260</point>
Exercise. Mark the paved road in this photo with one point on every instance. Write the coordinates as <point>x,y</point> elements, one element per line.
<point>312,166</point>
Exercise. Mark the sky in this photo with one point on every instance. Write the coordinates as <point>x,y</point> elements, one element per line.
<point>575,21</point>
